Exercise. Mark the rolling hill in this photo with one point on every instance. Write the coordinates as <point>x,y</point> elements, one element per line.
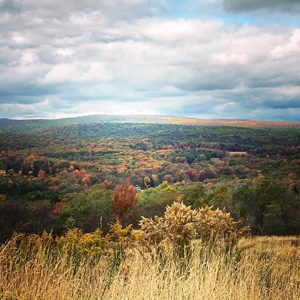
<point>10,126</point>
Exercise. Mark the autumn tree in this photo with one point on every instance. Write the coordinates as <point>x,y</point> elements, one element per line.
<point>125,197</point>
<point>107,184</point>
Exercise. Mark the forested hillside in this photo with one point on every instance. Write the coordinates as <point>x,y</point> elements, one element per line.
<point>13,126</point>
<point>70,176</point>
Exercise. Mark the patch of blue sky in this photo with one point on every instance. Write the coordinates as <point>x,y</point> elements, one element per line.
<point>235,19</point>
<point>258,19</point>
<point>178,9</point>
<point>186,9</point>
<point>181,15</point>
<point>282,19</point>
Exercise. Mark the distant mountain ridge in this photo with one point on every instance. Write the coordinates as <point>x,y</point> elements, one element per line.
<point>10,125</point>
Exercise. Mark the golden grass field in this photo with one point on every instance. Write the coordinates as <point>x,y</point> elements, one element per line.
<point>266,268</point>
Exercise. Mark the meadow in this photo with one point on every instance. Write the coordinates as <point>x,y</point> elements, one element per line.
<point>267,269</point>
<point>149,211</point>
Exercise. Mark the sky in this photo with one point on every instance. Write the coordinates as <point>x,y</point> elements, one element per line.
<point>209,59</point>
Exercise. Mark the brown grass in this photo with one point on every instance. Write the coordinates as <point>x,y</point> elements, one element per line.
<point>266,268</point>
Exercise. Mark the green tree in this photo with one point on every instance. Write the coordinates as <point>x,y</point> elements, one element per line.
<point>221,197</point>
<point>153,201</point>
<point>268,193</point>
<point>194,196</point>
<point>268,206</point>
<point>90,208</point>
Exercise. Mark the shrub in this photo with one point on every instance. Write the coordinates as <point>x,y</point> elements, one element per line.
<point>216,226</point>
<point>180,225</point>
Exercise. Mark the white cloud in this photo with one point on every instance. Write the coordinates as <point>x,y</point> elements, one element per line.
<point>65,52</point>
<point>78,71</point>
<point>28,58</point>
<point>230,59</point>
<point>126,56</point>
<point>289,48</point>
<point>18,38</point>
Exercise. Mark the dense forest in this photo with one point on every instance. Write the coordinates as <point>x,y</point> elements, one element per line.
<point>87,175</point>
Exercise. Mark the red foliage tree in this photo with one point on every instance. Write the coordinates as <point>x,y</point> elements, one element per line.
<point>247,170</point>
<point>125,197</point>
<point>41,173</point>
<point>76,173</point>
<point>58,207</point>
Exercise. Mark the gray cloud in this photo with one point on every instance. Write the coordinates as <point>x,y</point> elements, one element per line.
<point>121,9</point>
<point>9,6</point>
<point>74,58</point>
<point>249,5</point>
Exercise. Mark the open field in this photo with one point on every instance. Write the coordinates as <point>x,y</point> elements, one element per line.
<point>268,268</point>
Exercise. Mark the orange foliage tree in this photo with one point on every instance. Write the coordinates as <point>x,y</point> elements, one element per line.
<point>125,197</point>
<point>107,184</point>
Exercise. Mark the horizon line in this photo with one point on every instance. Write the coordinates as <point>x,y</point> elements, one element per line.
<point>143,115</point>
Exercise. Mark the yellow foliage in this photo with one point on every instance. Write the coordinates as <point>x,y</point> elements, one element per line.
<point>217,225</point>
<point>181,225</point>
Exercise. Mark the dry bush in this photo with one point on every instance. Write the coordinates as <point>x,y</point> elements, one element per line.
<point>181,225</point>
<point>217,225</point>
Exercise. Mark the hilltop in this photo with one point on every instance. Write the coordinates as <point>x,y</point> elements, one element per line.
<point>11,125</point>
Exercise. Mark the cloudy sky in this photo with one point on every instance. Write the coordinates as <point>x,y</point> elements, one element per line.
<point>232,59</point>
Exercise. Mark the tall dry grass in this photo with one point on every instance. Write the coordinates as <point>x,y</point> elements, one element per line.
<point>262,268</point>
